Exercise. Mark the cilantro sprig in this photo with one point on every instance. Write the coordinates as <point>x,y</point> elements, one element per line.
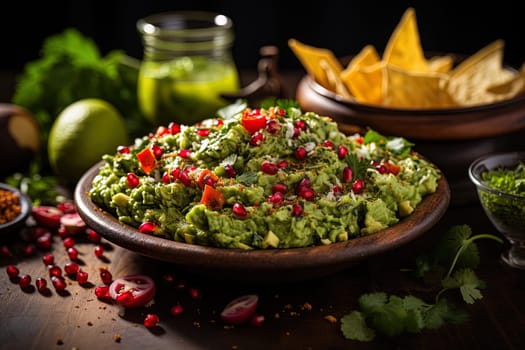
<point>392,315</point>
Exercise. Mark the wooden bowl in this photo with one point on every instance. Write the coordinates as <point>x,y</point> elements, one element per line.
<point>262,266</point>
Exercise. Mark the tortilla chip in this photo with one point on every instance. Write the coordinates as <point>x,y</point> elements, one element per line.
<point>366,83</point>
<point>406,89</point>
<point>404,49</point>
<point>311,58</point>
<point>470,80</point>
<point>510,88</point>
<point>440,64</point>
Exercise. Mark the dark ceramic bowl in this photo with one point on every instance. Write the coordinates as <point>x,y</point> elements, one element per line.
<point>10,228</point>
<point>266,265</point>
<point>451,137</point>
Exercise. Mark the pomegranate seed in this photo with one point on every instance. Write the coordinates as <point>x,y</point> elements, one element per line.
<point>67,207</point>
<point>230,171</point>
<point>203,132</point>
<point>44,242</point>
<point>41,284</point>
<point>381,168</point>
<point>166,178</point>
<point>281,112</point>
<point>184,153</point>
<point>282,164</point>
<point>12,271</point>
<point>296,132</point>
<point>82,277</point>
<point>273,126</point>
<point>62,232</point>
<point>329,144</point>
<point>257,320</point>
<point>124,297</point>
<point>161,131</point>
<point>195,293</point>
<point>93,236</point>
<point>147,227</point>
<point>348,174</point>
<point>72,252</point>
<point>99,251</point>
<point>102,292</point>
<point>307,194</point>
<point>358,186</point>
<point>342,151</point>
<point>176,309</point>
<point>297,210</point>
<point>151,320</point>
<point>276,199</point>
<point>174,128</point>
<point>123,149</point>
<point>29,250</point>
<point>239,210</point>
<point>168,278</point>
<point>48,259</point>
<point>337,190</point>
<point>5,251</point>
<point>71,268</point>
<point>157,151</point>
<point>269,168</point>
<point>132,180</point>
<point>185,178</point>
<point>279,187</point>
<point>24,281</point>
<point>54,270</point>
<point>359,140</point>
<point>256,139</point>
<point>105,275</point>
<point>301,124</point>
<point>69,242</point>
<point>300,153</point>
<point>175,174</point>
<point>59,283</point>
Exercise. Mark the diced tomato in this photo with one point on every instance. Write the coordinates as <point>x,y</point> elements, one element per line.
<point>206,176</point>
<point>147,160</point>
<point>392,168</point>
<point>253,121</point>
<point>212,198</point>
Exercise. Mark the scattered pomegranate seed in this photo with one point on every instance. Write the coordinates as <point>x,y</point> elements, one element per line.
<point>257,320</point>
<point>44,242</point>
<point>5,251</point>
<point>71,268</point>
<point>12,271</point>
<point>185,153</point>
<point>168,278</point>
<point>276,199</point>
<point>301,124</point>
<point>93,236</point>
<point>48,259</point>
<point>304,183</point>
<point>54,270</point>
<point>102,292</point>
<point>358,186</point>
<point>174,128</point>
<point>69,242</point>
<point>185,178</point>
<point>166,179</point>
<point>256,139</point>
<point>72,252</point>
<point>123,149</point>
<point>195,293</point>
<point>176,309</point>
<point>29,249</point>
<point>296,132</point>
<point>41,284</point>
<point>279,187</point>
<point>203,132</point>
<point>175,174</point>
<point>329,144</point>
<point>337,190</point>
<point>99,251</point>
<point>297,210</point>
<point>151,320</point>
<point>230,171</point>
<point>24,281</point>
<point>282,164</point>
<point>381,168</point>
<point>273,126</point>
<point>157,151</point>
<point>132,180</point>
<point>300,153</point>
<point>105,275</point>
<point>239,210</point>
<point>82,277</point>
<point>59,283</point>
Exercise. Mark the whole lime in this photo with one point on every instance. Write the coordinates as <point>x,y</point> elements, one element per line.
<point>81,134</point>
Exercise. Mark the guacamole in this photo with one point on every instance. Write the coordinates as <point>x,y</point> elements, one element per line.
<point>262,178</point>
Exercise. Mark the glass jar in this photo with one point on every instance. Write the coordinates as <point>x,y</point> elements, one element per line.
<point>187,64</point>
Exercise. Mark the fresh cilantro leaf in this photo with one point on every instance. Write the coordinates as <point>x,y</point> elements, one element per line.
<point>247,178</point>
<point>442,312</point>
<point>452,241</point>
<point>357,165</point>
<point>397,145</point>
<point>372,301</point>
<point>389,319</point>
<point>468,284</point>
<point>353,326</point>
<point>282,103</point>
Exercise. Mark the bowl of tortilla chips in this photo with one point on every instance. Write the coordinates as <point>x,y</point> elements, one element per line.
<point>447,103</point>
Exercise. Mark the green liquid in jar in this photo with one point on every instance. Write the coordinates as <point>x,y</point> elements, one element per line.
<point>184,90</point>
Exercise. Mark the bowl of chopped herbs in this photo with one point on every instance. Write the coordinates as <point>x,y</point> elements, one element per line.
<point>500,182</point>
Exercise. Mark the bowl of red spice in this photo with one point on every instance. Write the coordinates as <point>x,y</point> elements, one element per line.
<point>15,207</point>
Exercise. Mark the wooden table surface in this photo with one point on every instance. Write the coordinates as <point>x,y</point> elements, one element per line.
<point>295,313</point>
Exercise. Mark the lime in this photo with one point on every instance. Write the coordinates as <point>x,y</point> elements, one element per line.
<point>82,133</point>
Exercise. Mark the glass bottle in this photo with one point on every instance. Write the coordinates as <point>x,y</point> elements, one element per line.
<point>187,64</point>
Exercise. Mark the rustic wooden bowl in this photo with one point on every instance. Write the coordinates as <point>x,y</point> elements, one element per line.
<point>262,266</point>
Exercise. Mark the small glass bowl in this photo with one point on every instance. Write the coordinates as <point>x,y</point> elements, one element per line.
<point>505,211</point>
<point>9,228</point>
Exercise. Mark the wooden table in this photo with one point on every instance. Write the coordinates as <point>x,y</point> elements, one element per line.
<point>295,313</point>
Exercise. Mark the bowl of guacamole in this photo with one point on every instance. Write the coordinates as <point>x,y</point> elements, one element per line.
<point>260,184</point>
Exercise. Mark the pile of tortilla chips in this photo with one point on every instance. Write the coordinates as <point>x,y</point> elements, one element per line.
<point>404,78</point>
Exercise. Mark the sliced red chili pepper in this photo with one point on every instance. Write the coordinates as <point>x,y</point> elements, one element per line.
<point>147,160</point>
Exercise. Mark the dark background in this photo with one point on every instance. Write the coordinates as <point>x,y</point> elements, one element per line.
<point>342,26</point>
